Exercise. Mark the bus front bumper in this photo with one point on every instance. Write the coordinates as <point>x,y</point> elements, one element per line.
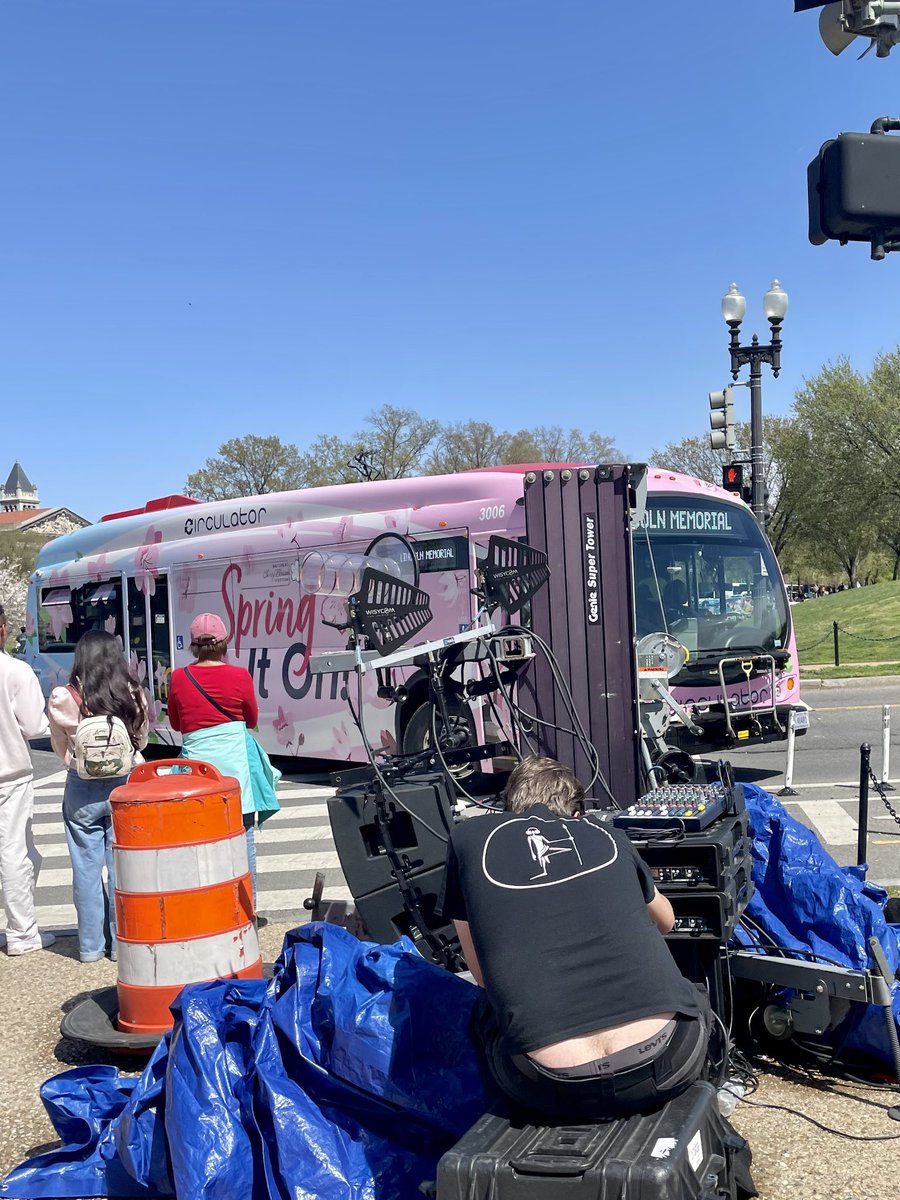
<point>749,728</point>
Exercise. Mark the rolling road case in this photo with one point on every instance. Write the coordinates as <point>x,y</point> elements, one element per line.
<point>683,1151</point>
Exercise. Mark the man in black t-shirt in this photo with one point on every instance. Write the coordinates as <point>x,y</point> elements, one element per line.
<point>585,1014</point>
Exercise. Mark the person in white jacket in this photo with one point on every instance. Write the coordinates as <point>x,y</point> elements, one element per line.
<point>21,719</point>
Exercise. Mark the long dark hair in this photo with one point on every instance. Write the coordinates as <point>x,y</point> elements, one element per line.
<point>100,676</point>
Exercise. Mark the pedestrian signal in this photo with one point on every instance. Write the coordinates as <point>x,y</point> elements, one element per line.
<point>721,419</point>
<point>733,477</point>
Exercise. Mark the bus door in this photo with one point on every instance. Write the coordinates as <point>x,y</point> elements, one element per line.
<point>149,638</point>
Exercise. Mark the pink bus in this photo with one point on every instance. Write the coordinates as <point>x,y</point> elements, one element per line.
<point>278,569</point>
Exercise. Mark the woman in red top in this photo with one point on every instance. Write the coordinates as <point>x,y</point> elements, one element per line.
<point>213,705</point>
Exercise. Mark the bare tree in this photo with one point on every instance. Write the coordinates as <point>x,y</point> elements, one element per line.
<point>464,446</point>
<point>552,443</point>
<point>397,442</point>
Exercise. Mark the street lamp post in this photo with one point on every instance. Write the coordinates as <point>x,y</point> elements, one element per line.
<point>734,306</point>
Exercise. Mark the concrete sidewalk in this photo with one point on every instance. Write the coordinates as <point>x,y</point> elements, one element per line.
<point>851,681</point>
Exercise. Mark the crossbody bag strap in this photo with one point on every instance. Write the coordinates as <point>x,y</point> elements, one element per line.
<point>203,692</point>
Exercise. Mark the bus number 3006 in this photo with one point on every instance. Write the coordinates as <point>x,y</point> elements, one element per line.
<point>492,512</point>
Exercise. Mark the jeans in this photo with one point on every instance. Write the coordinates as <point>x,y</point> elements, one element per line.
<point>249,823</point>
<point>86,815</point>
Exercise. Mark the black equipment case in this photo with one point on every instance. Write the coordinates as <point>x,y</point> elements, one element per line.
<point>684,1151</point>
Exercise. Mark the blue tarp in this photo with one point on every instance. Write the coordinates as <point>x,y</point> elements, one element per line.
<point>348,1074</point>
<point>346,1077</point>
<point>805,902</point>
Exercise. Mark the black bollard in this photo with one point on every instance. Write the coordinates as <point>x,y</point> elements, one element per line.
<point>837,648</point>
<point>865,754</point>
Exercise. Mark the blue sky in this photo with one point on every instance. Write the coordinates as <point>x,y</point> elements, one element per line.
<point>273,216</point>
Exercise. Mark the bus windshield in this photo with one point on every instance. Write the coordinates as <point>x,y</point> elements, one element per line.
<point>706,574</point>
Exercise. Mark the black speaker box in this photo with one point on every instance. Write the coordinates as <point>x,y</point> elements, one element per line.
<point>709,914</point>
<point>358,838</point>
<point>385,918</point>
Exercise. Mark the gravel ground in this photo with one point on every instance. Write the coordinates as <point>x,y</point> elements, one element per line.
<point>793,1160</point>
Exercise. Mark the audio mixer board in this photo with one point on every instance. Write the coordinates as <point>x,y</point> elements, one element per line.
<point>682,806</point>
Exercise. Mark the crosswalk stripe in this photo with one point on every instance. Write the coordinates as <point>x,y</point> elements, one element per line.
<point>53,833</point>
<point>53,780</point>
<point>292,846</point>
<point>266,864</point>
<point>54,805</point>
<point>293,793</point>
<point>831,821</point>
<point>304,809</point>
<point>291,899</point>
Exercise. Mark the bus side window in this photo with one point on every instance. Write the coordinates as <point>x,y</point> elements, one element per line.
<point>65,613</point>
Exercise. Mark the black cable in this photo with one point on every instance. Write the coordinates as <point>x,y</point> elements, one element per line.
<point>728,976</point>
<point>451,778</point>
<point>723,1065</point>
<point>496,712</point>
<point>507,696</point>
<point>374,765</point>
<point>590,751</point>
<point>851,1137</point>
<point>788,952</point>
<point>569,701</point>
<point>577,732</point>
<point>670,835</point>
<point>749,1078</point>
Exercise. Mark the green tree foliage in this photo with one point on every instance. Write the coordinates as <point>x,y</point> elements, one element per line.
<point>18,555</point>
<point>394,443</point>
<point>20,550</point>
<point>842,438</point>
<point>331,459</point>
<point>695,456</point>
<point>247,466</point>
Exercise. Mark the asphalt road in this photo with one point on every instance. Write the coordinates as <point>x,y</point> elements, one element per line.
<point>826,772</point>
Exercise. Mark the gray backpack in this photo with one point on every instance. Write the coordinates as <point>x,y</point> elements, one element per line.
<point>103,748</point>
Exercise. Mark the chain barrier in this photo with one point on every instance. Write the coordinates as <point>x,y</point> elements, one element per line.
<point>884,800</point>
<point>812,645</point>
<point>861,637</point>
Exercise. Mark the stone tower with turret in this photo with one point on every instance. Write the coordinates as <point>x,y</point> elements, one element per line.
<point>19,493</point>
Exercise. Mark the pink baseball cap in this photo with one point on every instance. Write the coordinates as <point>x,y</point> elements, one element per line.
<point>208,628</point>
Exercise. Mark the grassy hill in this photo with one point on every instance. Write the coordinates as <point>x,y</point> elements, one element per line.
<point>869,622</point>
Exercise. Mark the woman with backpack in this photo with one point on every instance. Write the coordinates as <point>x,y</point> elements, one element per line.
<point>98,725</point>
<point>213,705</point>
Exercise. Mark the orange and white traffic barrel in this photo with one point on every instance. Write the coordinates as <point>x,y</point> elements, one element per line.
<point>184,896</point>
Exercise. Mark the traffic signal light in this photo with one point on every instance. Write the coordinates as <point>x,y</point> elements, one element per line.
<point>721,419</point>
<point>854,189</point>
<point>733,477</point>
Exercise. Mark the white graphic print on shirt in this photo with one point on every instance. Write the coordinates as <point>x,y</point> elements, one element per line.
<point>560,849</point>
